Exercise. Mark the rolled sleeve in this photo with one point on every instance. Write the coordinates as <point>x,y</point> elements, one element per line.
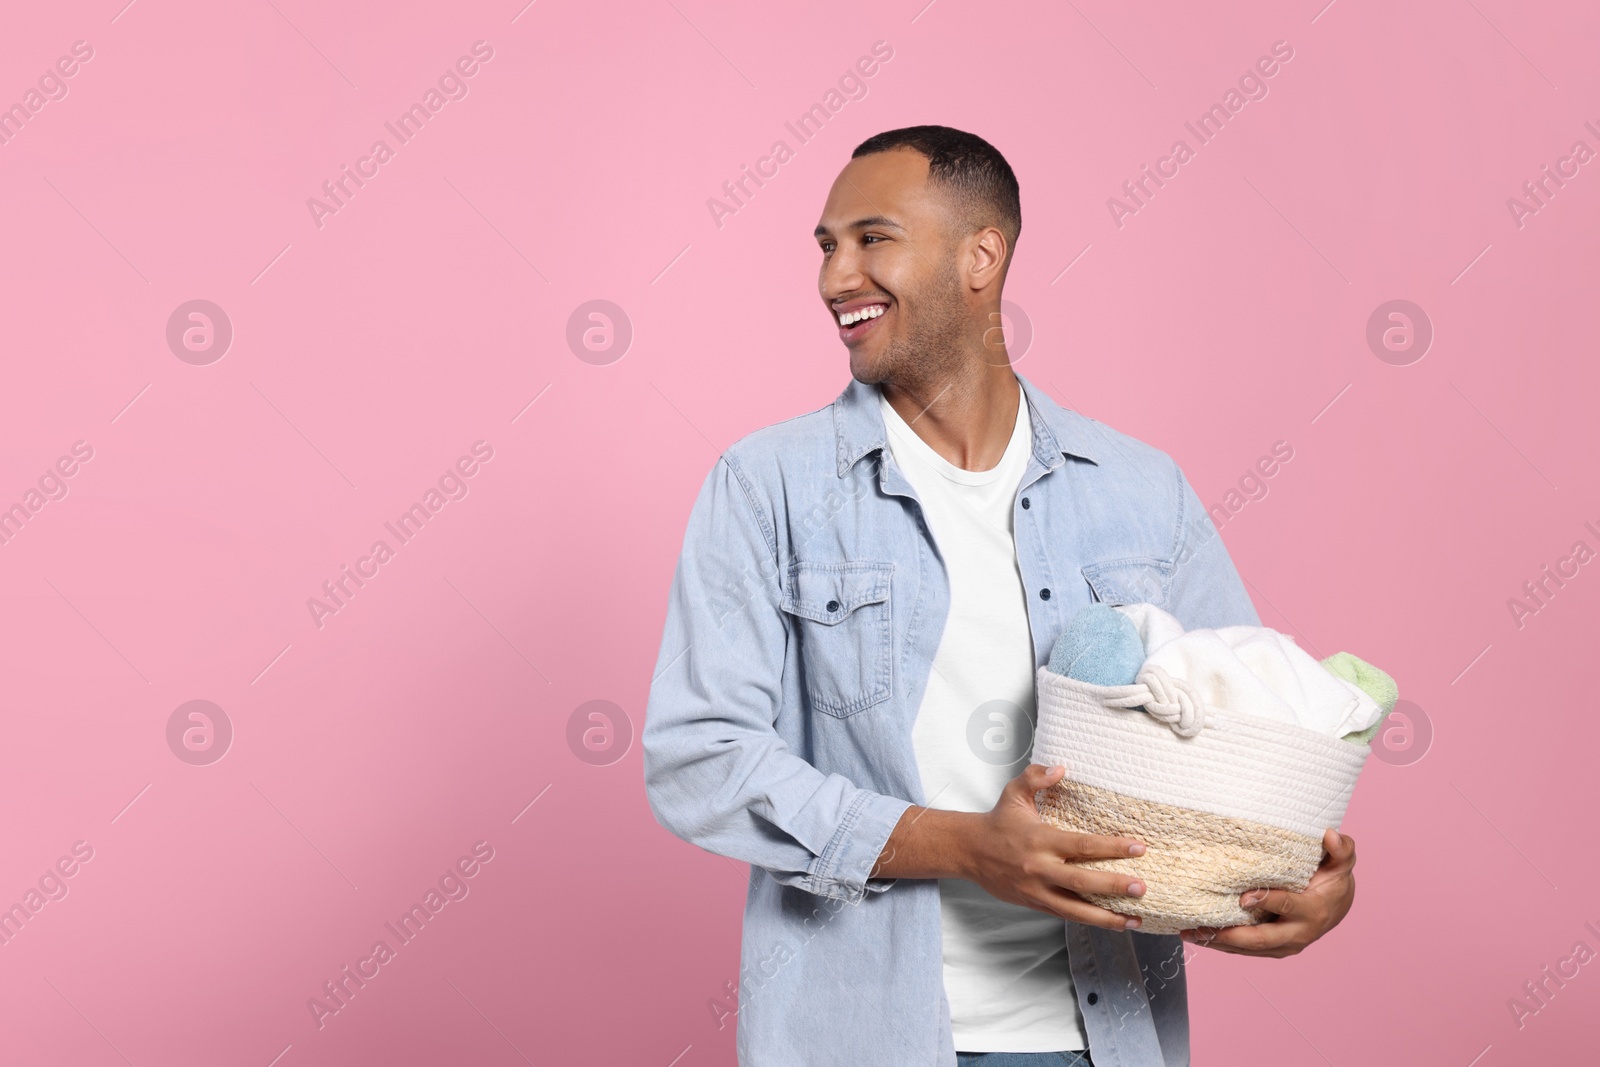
<point>717,773</point>
<point>858,844</point>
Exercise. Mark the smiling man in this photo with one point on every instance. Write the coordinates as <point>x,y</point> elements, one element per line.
<point>844,692</point>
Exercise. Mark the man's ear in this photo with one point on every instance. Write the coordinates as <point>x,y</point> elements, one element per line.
<point>985,258</point>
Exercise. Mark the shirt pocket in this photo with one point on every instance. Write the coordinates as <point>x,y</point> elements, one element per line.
<point>842,619</point>
<point>1135,580</point>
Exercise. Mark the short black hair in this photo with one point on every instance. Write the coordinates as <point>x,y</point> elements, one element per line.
<point>972,168</point>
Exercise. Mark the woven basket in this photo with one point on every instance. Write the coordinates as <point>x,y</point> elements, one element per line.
<point>1224,802</point>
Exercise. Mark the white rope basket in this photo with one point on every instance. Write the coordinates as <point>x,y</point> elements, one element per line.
<point>1225,802</point>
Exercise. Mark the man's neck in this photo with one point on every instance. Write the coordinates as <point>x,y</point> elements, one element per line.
<point>967,417</point>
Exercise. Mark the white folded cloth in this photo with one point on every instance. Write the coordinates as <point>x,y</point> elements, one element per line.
<point>1254,670</point>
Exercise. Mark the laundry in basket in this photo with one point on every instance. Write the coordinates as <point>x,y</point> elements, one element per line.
<point>1228,753</point>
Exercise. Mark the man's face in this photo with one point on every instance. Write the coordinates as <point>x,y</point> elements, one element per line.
<point>887,250</point>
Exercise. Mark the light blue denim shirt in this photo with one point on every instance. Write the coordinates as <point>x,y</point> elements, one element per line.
<point>801,626</point>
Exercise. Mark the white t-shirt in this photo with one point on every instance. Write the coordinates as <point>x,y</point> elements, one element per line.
<point>1005,966</point>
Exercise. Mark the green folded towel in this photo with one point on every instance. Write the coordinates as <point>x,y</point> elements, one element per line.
<point>1371,681</point>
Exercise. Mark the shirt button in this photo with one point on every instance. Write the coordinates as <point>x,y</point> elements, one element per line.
<point>833,605</point>
<point>1093,998</point>
<point>1025,504</point>
<point>1044,594</point>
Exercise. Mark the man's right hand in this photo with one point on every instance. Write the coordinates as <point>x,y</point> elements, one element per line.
<point>1018,857</point>
<point>1014,855</point>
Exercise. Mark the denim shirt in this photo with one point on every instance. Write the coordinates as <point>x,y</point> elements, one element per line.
<point>801,626</point>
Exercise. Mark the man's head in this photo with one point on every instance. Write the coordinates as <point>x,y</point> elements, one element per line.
<point>918,230</point>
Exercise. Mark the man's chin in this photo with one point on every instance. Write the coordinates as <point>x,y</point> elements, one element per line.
<point>867,368</point>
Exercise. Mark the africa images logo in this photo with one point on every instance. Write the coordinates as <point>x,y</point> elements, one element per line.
<point>1252,85</point>
<point>338,992</point>
<point>852,85</point>
<point>452,85</point>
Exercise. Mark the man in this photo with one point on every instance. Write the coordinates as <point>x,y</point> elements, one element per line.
<point>863,597</point>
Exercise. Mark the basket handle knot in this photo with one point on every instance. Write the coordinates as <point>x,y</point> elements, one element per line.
<point>1166,699</point>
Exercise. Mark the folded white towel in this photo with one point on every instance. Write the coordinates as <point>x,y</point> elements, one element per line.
<point>1254,670</point>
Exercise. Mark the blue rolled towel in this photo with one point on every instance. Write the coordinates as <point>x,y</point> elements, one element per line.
<point>1100,646</point>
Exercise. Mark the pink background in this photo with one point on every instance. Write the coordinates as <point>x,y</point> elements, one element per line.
<point>368,354</point>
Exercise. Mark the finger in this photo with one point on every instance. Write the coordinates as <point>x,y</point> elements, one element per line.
<point>1071,846</point>
<point>1207,939</point>
<point>1069,905</point>
<point>1083,881</point>
<point>1035,777</point>
<point>1280,902</point>
<point>1204,936</point>
<point>1263,937</point>
<point>1341,849</point>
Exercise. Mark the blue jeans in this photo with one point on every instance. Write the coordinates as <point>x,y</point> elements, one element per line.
<point>1024,1059</point>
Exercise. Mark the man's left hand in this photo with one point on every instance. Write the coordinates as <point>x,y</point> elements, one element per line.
<point>1300,918</point>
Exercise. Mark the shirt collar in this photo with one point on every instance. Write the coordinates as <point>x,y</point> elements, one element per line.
<point>858,425</point>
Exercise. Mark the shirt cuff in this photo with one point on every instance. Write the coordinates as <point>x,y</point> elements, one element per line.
<point>859,842</point>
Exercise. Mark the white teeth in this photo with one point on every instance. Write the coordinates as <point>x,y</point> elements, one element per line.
<point>850,317</point>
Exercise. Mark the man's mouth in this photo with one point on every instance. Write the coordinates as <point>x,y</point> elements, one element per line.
<point>855,323</point>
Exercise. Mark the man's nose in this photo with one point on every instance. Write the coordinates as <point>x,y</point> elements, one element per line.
<point>841,274</point>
